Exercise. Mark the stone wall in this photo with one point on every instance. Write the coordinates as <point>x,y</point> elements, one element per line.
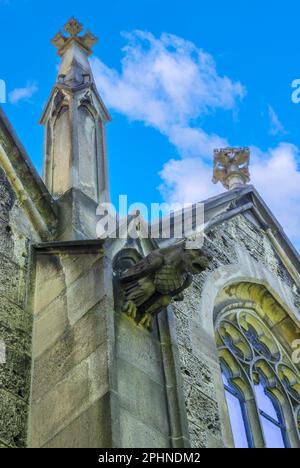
<point>70,402</point>
<point>98,379</point>
<point>240,251</point>
<point>15,318</point>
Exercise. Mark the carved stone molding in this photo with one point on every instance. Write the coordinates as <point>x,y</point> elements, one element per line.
<point>267,307</point>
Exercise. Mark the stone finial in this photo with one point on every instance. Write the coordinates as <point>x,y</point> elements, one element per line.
<point>74,28</point>
<point>231,167</point>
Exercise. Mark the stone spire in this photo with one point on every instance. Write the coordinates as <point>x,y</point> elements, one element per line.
<point>75,156</point>
<point>231,167</point>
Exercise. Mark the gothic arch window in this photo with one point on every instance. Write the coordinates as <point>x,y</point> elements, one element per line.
<point>261,383</point>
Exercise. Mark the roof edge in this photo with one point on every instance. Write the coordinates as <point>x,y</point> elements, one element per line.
<point>27,174</point>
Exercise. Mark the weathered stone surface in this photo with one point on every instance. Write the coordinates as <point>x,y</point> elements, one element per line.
<point>2,445</point>
<point>198,374</point>
<point>71,352</point>
<point>198,435</point>
<point>81,387</point>
<point>15,320</point>
<point>50,281</point>
<point>6,242</point>
<point>13,420</point>
<point>14,375</point>
<point>12,283</point>
<point>50,325</point>
<point>85,292</point>
<point>202,411</point>
<point>91,429</point>
<point>144,398</point>
<point>14,316</point>
<point>15,338</point>
<point>135,433</point>
<point>75,345</point>
<point>58,272</point>
<point>139,348</point>
<point>183,331</point>
<point>7,196</point>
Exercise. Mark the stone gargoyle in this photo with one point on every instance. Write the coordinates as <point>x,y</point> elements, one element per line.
<point>150,285</point>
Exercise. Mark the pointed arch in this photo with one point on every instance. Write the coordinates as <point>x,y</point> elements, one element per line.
<point>251,336</point>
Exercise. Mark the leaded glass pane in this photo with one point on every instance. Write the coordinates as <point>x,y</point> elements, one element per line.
<point>264,402</point>
<point>236,415</point>
<point>272,433</point>
<point>237,421</point>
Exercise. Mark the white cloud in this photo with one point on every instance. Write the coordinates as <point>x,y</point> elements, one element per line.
<point>187,181</point>
<point>274,173</point>
<point>168,83</point>
<point>276,176</point>
<point>276,127</point>
<point>23,94</point>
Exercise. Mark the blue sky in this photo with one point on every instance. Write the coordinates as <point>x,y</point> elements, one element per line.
<point>179,78</point>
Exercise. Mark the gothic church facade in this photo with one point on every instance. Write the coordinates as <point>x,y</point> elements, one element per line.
<point>217,368</point>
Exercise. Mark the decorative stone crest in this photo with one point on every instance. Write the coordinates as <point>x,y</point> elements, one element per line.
<point>74,28</point>
<point>231,167</point>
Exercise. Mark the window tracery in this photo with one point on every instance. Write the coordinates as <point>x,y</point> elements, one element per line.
<point>261,383</point>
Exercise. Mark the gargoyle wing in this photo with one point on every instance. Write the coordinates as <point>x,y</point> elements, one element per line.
<point>150,304</point>
<point>146,266</point>
<point>186,284</point>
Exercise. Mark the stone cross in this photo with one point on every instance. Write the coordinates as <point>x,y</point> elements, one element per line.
<point>73,28</point>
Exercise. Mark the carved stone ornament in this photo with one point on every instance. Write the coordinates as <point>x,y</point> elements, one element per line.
<point>74,28</point>
<point>154,281</point>
<point>231,167</point>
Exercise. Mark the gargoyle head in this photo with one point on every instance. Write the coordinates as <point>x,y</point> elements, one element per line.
<point>195,261</point>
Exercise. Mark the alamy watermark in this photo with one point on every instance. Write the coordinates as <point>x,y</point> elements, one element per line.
<point>161,221</point>
<point>2,92</point>
<point>296,93</point>
<point>2,352</point>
